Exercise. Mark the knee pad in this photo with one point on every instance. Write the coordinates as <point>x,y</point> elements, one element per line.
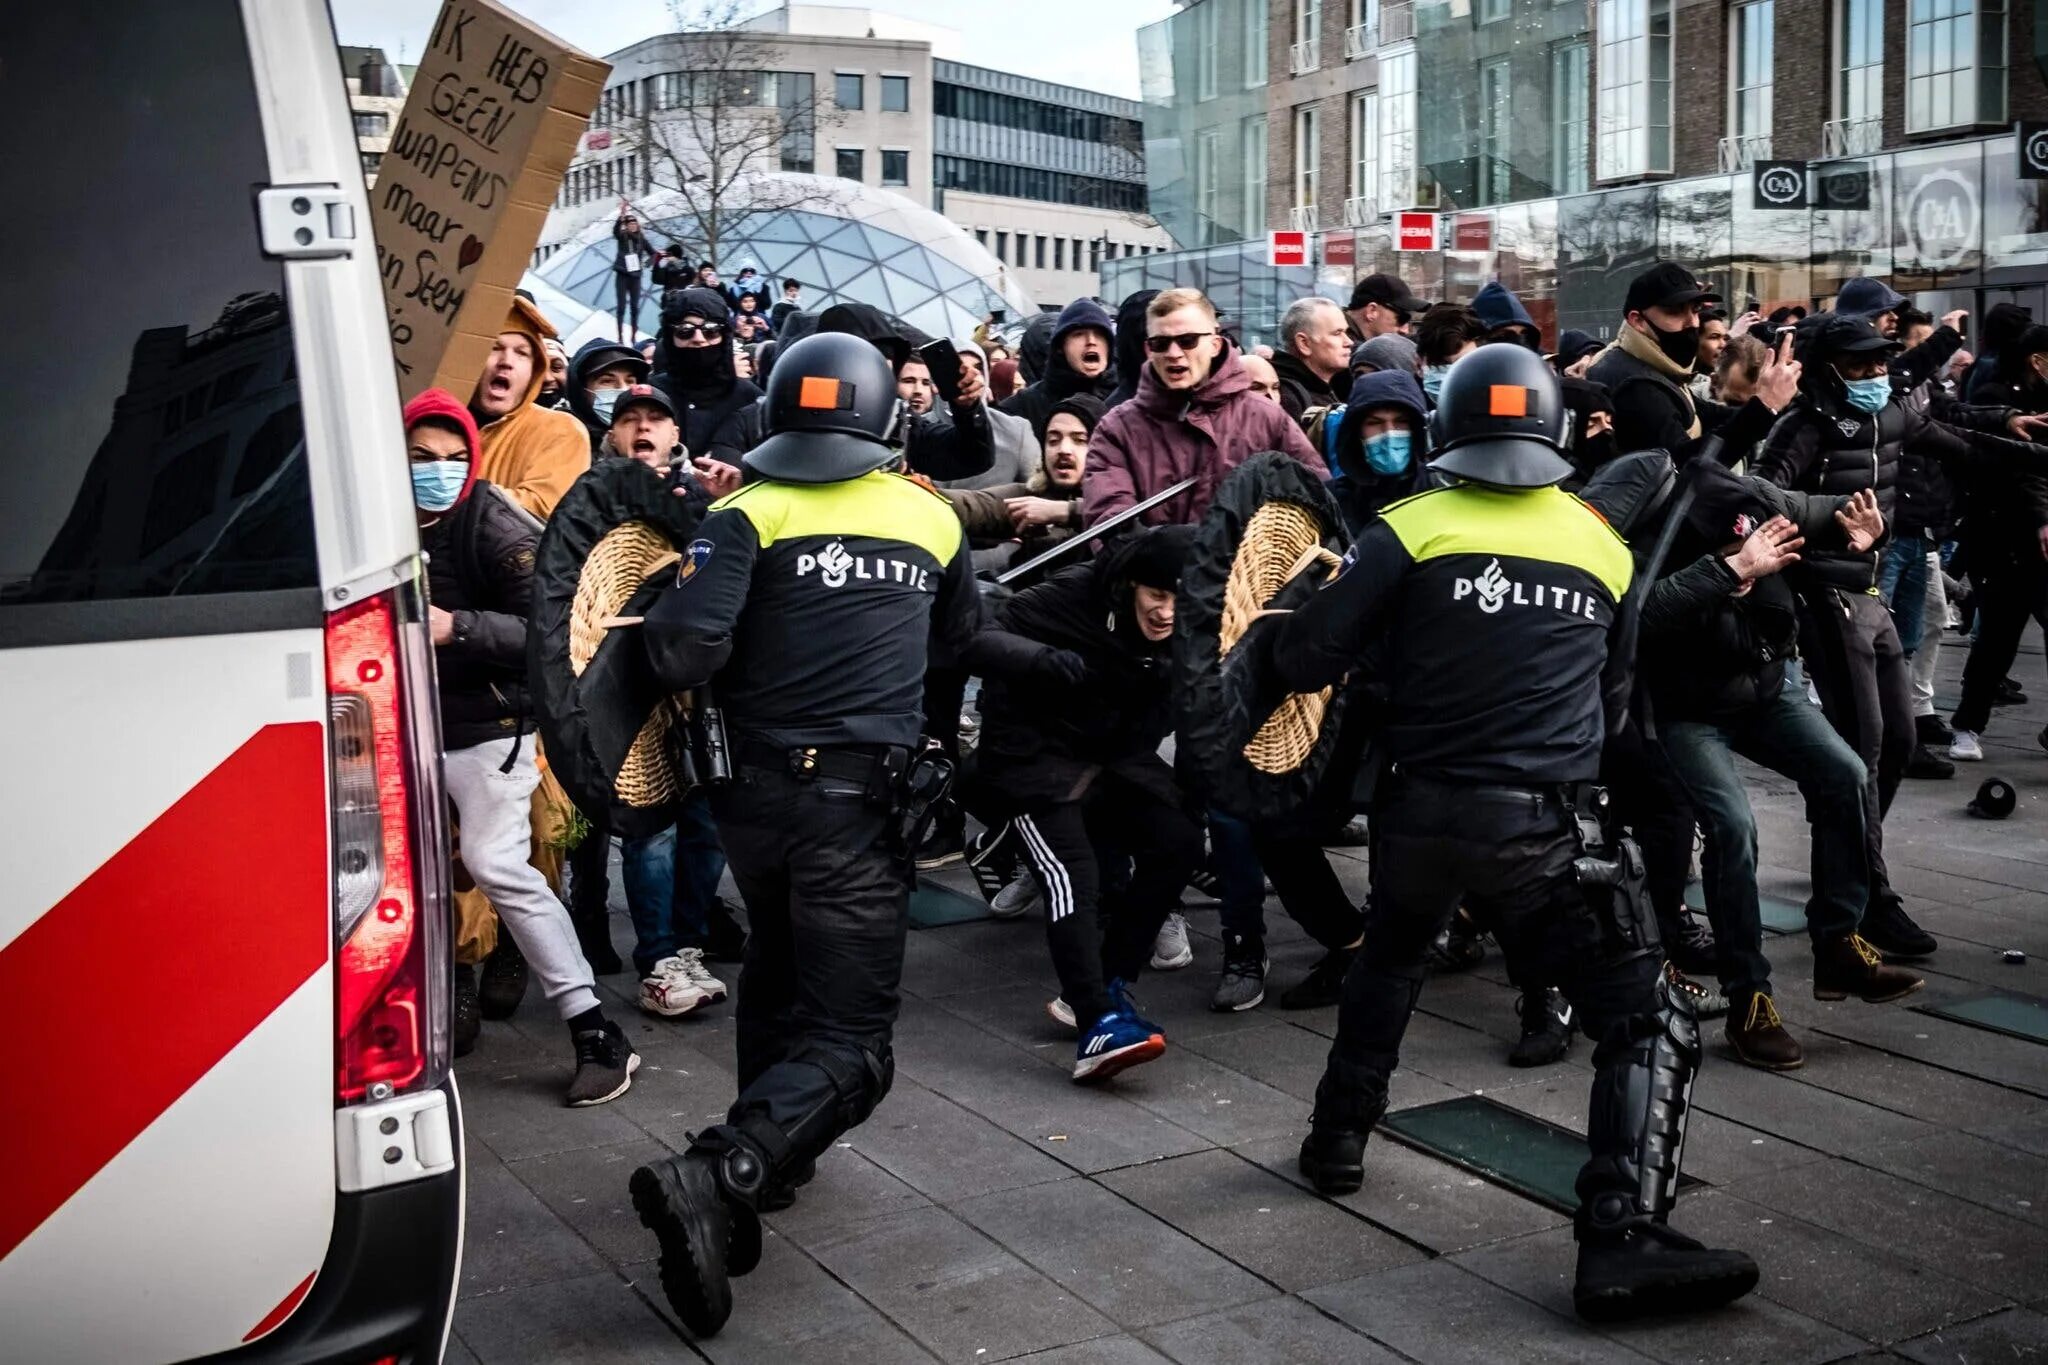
<point>860,1076</point>
<point>1641,1103</point>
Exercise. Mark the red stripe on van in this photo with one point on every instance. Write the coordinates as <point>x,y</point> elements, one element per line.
<point>224,903</point>
<point>283,1310</point>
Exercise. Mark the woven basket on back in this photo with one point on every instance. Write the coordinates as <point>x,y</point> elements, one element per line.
<point>625,558</point>
<point>1280,541</point>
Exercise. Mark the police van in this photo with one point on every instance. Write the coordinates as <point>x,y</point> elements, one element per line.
<point>227,1124</point>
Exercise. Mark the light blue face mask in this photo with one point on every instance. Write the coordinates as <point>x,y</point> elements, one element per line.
<point>436,484</point>
<point>1433,379</point>
<point>1868,395</point>
<point>1387,452</point>
<point>602,401</point>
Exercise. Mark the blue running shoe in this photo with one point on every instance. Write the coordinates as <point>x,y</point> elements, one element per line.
<point>1119,1039</point>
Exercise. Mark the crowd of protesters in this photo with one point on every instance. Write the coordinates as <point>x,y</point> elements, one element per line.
<point>1889,492</point>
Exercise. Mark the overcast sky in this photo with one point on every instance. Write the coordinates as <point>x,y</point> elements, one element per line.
<point>1089,43</point>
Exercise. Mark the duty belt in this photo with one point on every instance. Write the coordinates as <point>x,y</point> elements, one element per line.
<point>860,766</point>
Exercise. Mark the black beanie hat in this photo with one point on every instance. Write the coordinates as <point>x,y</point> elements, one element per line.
<point>1157,556</point>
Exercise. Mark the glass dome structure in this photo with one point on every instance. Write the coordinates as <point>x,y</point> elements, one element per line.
<point>848,243</point>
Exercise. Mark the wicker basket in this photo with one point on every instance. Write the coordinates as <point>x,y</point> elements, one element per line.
<point>1280,541</point>
<point>627,556</point>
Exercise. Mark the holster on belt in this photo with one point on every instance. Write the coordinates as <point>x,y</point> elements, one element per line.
<point>1611,873</point>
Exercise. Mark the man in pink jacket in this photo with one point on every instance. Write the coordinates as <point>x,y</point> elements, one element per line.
<point>1194,414</point>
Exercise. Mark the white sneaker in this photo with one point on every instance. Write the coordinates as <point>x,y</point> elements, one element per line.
<point>1061,1012</point>
<point>1964,748</point>
<point>1020,897</point>
<point>1171,950</point>
<point>693,961</point>
<point>674,989</point>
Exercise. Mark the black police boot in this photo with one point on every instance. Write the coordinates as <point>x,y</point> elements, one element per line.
<point>504,979</point>
<point>468,1023</point>
<point>1333,1158</point>
<point>781,1194</point>
<point>680,1202</point>
<point>1642,1268</point>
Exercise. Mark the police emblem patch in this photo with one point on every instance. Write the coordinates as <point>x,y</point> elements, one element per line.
<point>694,558</point>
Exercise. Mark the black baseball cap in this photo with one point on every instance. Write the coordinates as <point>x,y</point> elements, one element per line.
<point>1848,334</point>
<point>1666,284</point>
<point>641,393</point>
<point>1389,291</point>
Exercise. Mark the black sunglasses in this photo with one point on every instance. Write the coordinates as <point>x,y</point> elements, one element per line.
<point>689,331</point>
<point>1187,341</point>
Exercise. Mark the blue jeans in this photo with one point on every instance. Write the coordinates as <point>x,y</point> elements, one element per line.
<point>1794,739</point>
<point>1902,582</point>
<point>672,884</point>
<point>1240,884</point>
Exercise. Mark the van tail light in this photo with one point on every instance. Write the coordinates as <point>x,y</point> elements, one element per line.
<point>390,851</point>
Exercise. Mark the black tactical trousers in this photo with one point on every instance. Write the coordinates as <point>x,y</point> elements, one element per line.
<point>1852,653</point>
<point>828,900</point>
<point>1506,854</point>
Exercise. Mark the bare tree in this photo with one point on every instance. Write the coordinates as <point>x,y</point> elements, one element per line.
<point>725,119</point>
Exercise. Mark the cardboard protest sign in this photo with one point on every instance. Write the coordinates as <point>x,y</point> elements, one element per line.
<point>493,118</point>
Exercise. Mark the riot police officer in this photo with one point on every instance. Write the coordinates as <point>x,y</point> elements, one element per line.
<point>1498,599</point>
<point>807,602</point>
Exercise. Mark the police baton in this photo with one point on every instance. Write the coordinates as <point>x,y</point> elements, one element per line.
<point>1711,452</point>
<point>1093,533</point>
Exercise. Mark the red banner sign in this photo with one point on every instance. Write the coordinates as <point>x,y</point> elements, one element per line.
<point>1340,248</point>
<point>1472,232</point>
<point>1415,232</point>
<point>1287,248</point>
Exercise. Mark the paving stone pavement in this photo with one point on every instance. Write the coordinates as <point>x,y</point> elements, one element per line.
<point>1894,1191</point>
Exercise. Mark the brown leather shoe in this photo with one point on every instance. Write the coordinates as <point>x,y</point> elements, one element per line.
<point>1848,965</point>
<point>1759,1037</point>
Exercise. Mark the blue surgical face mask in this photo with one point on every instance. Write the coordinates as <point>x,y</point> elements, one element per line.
<point>1868,395</point>
<point>602,401</point>
<point>1387,452</point>
<point>1433,379</point>
<point>436,484</point>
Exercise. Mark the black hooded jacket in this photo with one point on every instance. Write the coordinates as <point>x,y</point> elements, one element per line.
<point>1034,348</point>
<point>939,444</point>
<point>1130,345</point>
<point>2003,511</point>
<point>1057,379</point>
<point>719,413</point>
<point>1361,491</point>
<point>1044,741</point>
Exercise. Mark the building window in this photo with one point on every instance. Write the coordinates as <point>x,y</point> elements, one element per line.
<point>1257,21</point>
<point>1493,11</point>
<point>1955,63</point>
<point>1860,93</point>
<point>1208,166</point>
<point>1634,135</point>
<point>371,161</point>
<point>1059,253</point>
<point>796,98</point>
<point>1208,50</point>
<point>1569,124</point>
<point>847,88</point>
<point>372,124</point>
<point>895,168</point>
<point>1038,253</point>
<point>1365,154</point>
<point>1254,163</point>
<point>895,94</point>
<point>1400,186</point>
<point>852,163</point>
<point>1749,65</point>
<point>1496,173</point>
<point>1308,154</point>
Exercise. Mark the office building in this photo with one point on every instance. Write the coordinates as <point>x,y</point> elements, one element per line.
<point>1560,147</point>
<point>1048,178</point>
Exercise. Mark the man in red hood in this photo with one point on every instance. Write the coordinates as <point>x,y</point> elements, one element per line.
<point>1194,415</point>
<point>479,545</point>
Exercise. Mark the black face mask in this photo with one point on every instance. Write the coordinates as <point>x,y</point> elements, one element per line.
<point>1681,347</point>
<point>699,367</point>
<point>1596,451</point>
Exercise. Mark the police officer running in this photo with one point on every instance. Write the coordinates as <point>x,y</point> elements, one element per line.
<point>807,602</point>
<point>1498,601</point>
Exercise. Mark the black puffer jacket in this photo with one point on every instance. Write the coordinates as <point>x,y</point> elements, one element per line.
<point>1822,445</point>
<point>480,569</point>
<point>1044,742</point>
<point>1059,380</point>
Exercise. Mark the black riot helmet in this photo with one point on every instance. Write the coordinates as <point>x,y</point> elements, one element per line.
<point>1500,420</point>
<point>832,411</point>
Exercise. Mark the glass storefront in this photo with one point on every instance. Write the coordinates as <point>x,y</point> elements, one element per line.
<point>1952,225</point>
<point>1202,77</point>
